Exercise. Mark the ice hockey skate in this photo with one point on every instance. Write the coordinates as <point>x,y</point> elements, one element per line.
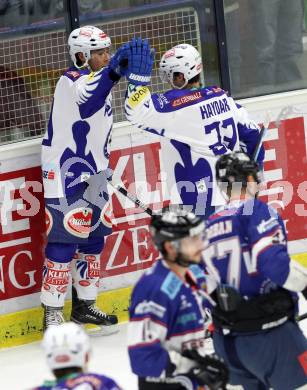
<point>87,313</point>
<point>52,316</point>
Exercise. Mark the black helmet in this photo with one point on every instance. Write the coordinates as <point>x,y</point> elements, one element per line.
<point>172,223</point>
<point>236,167</point>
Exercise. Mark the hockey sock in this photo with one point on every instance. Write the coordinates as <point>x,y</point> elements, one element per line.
<point>56,277</point>
<point>85,273</point>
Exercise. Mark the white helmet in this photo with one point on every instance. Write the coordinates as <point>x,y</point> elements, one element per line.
<point>182,58</point>
<point>66,345</point>
<point>85,39</point>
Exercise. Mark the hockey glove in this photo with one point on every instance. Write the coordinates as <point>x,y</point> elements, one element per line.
<point>119,61</point>
<point>140,62</point>
<point>211,370</point>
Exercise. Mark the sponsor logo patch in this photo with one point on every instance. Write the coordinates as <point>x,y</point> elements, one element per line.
<point>186,99</point>
<point>62,358</point>
<point>57,277</point>
<point>49,175</point>
<point>84,283</point>
<point>138,96</point>
<point>78,222</point>
<point>169,53</point>
<point>93,269</point>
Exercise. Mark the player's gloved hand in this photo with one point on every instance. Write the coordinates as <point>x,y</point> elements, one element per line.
<point>140,62</point>
<point>119,61</point>
<point>211,370</point>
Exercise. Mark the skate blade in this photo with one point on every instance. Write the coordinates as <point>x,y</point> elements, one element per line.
<point>101,330</point>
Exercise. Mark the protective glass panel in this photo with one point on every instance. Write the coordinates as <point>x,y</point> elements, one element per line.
<point>33,55</point>
<point>267,46</point>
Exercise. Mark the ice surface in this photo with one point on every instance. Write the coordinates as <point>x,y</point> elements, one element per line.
<point>24,367</point>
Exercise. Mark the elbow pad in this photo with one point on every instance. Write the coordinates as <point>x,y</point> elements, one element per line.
<point>297,277</point>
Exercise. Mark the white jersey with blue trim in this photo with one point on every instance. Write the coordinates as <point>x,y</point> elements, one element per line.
<point>205,119</point>
<point>75,143</point>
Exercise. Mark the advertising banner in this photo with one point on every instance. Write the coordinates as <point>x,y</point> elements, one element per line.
<point>144,165</point>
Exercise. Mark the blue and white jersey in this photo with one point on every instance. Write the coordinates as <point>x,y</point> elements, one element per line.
<point>85,381</point>
<point>166,315</point>
<point>75,144</point>
<point>247,248</point>
<point>204,121</point>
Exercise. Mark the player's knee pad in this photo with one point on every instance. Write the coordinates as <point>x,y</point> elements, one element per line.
<point>93,246</point>
<point>85,275</point>
<point>56,278</point>
<point>60,253</point>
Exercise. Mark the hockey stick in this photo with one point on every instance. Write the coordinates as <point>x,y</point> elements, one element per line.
<point>259,143</point>
<point>133,198</point>
<point>301,317</point>
<point>262,134</point>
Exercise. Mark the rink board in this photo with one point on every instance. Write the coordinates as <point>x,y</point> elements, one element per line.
<point>145,164</point>
<point>26,326</point>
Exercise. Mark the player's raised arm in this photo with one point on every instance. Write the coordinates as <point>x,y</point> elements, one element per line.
<point>92,50</point>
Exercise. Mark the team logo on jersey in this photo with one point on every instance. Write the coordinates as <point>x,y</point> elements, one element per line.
<point>162,100</point>
<point>186,99</point>
<point>48,221</point>
<point>107,215</point>
<point>78,221</point>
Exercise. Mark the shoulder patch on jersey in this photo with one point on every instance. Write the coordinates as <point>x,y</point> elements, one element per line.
<point>140,94</point>
<point>171,285</point>
<point>73,74</point>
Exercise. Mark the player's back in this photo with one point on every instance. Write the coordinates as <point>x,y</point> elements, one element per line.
<point>86,381</point>
<point>240,250</point>
<point>205,118</point>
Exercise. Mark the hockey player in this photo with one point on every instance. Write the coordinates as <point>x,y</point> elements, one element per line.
<point>202,120</point>
<point>246,255</point>
<point>166,330</point>
<point>74,151</point>
<point>67,350</point>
